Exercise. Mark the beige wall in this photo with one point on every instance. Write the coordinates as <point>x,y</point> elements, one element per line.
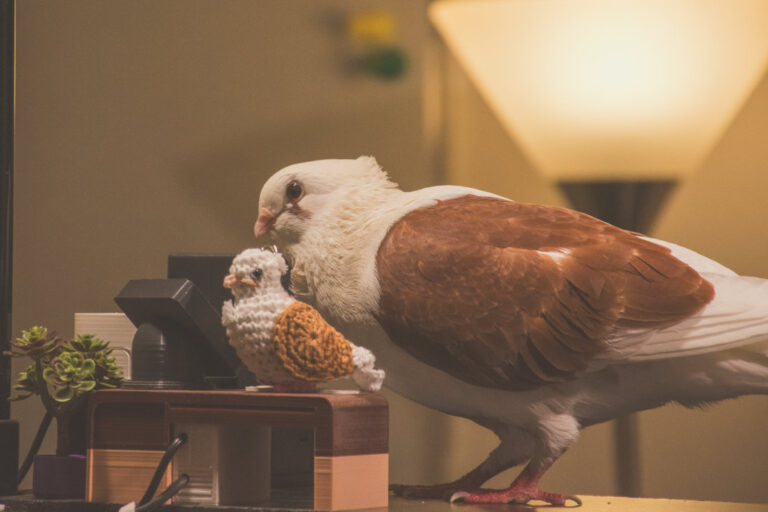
<point>719,453</point>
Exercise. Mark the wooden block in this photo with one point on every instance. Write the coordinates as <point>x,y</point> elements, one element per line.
<point>121,476</point>
<point>351,482</point>
<point>351,445</point>
<point>343,424</point>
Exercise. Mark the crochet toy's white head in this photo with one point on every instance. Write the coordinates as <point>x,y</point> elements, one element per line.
<point>256,272</point>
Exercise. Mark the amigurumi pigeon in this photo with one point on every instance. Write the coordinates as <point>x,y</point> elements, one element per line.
<point>285,342</point>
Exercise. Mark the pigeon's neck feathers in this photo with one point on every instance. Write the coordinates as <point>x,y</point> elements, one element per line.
<point>334,254</point>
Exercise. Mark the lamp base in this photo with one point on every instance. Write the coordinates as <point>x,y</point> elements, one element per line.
<point>632,205</point>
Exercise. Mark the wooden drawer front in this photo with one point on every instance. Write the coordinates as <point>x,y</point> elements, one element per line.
<point>121,476</point>
<point>129,426</point>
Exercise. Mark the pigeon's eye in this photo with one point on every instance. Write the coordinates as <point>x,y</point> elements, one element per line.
<point>294,191</point>
<point>256,274</point>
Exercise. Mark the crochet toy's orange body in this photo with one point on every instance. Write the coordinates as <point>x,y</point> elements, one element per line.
<point>309,347</point>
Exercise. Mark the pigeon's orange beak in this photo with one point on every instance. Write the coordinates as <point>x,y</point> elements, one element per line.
<point>265,221</point>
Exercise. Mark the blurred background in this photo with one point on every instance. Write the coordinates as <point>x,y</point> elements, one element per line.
<point>147,127</point>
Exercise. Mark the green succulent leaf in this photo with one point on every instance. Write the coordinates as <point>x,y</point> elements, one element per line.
<point>69,375</point>
<point>37,343</point>
<point>89,366</point>
<point>86,386</point>
<point>26,384</point>
<point>64,394</point>
<point>49,374</point>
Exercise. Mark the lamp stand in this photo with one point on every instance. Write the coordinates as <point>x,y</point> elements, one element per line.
<point>634,206</point>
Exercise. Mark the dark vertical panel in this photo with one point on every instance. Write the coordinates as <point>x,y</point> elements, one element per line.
<point>6,192</point>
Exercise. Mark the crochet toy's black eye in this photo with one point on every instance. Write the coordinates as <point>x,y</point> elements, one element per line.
<point>256,274</point>
<point>293,191</point>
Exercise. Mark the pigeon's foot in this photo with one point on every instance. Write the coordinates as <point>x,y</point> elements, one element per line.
<point>472,480</point>
<point>427,492</point>
<point>523,490</point>
<point>515,494</point>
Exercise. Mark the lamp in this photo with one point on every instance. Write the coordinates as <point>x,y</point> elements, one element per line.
<point>615,100</point>
<point>607,89</point>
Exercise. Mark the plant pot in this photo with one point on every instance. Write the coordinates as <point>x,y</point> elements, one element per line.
<point>59,477</point>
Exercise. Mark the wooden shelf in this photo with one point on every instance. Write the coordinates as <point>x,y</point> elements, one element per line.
<point>26,503</point>
<point>350,431</point>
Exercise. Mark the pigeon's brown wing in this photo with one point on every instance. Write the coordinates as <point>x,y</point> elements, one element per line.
<point>308,347</point>
<point>512,296</point>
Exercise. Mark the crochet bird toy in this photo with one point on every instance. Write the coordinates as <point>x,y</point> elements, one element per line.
<point>284,342</point>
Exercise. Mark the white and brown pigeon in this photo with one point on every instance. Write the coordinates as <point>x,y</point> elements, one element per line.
<point>533,321</point>
<point>286,343</point>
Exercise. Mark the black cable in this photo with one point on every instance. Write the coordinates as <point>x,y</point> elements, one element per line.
<point>33,449</point>
<point>167,494</point>
<point>162,466</point>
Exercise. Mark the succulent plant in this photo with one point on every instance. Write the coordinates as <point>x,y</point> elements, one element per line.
<point>63,372</point>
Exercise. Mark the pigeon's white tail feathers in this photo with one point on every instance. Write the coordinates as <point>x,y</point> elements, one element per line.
<point>736,317</point>
<point>366,375</point>
<point>698,262</point>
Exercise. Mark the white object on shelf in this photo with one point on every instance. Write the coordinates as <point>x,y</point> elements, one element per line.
<point>226,464</point>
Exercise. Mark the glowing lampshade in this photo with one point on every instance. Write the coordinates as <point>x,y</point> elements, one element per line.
<point>610,89</point>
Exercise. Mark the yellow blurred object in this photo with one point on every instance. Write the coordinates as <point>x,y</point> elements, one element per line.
<point>374,27</point>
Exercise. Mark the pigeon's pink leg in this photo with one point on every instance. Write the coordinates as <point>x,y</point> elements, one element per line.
<point>523,489</point>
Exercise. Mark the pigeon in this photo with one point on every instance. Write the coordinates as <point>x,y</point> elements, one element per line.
<point>284,342</point>
<point>532,321</point>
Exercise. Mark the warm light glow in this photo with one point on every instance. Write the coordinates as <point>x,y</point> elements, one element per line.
<point>610,89</point>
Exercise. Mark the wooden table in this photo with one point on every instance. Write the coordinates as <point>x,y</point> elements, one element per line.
<point>25,503</point>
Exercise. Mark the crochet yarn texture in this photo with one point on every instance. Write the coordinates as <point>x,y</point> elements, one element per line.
<point>309,347</point>
<point>283,342</point>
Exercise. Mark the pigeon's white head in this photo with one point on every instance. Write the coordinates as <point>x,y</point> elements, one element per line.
<point>255,272</point>
<point>297,193</point>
